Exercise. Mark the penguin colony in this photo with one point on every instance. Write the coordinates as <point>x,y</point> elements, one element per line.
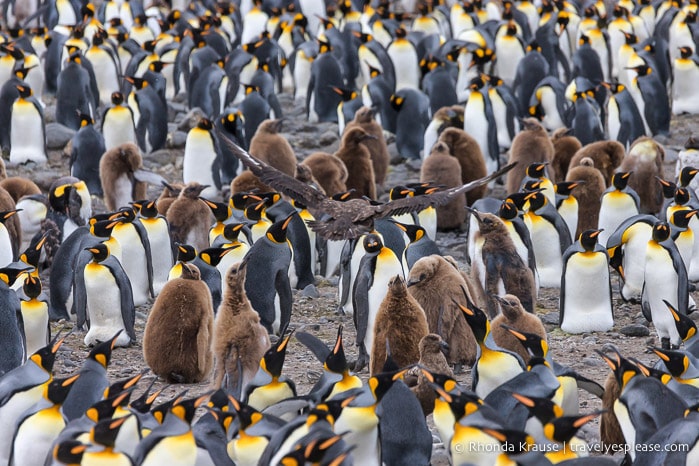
<point>572,91</point>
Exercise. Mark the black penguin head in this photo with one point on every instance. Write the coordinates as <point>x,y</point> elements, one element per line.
<point>685,326</point>
<point>681,218</point>
<point>185,409</point>
<point>414,232</point>
<point>205,124</point>
<point>536,199</point>
<point>508,210</point>
<point>57,390</point>
<point>400,192</point>
<point>346,94</point>
<point>103,228</point>
<point>85,120</point>
<point>336,361</point>
<point>240,201</point>
<point>185,252</point>
<point>273,360</point>
<point>102,352</point>
<point>381,383</point>
<point>117,98</point>
<point>588,239</point>
<point>676,362</point>
<point>124,215</point>
<point>32,286</point>
<point>564,188</point>
<point>99,251</point>
<point>533,343</point>
<point>232,120</point>
<point>641,70</point>
<point>544,409</point>
<point>138,83</point>
<point>372,243</point>
<point>6,215</point>
<point>146,208</point>
<point>46,356</point>
<point>220,210</point>
<point>661,232</point>
<point>105,432</point>
<point>10,273</point>
<point>476,318</point>
<point>24,91</point>
<point>564,428</point>
<point>621,179</point>
<point>277,231</point>
<point>623,369</point>
<point>232,230</point>
<point>69,452</point>
<point>213,256</point>
<point>668,188</point>
<point>537,170</point>
<point>397,102</point>
<point>681,196</point>
<point>143,403</point>
<point>686,52</point>
<point>247,415</point>
<point>124,385</point>
<point>687,175</point>
<point>21,73</point>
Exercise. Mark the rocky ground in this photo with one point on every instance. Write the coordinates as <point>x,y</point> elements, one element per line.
<point>631,333</point>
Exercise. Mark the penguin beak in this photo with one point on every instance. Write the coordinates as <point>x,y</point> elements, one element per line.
<point>413,281</point>
<point>475,213</point>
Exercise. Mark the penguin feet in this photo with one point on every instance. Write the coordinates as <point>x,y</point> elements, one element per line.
<point>176,378</point>
<point>665,343</point>
<point>360,363</point>
<point>458,369</point>
<point>692,287</point>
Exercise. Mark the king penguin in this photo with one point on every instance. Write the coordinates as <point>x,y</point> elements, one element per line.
<point>103,298</point>
<point>158,232</point>
<point>586,290</point>
<point>87,147</point>
<point>619,202</point>
<point>377,268</point>
<point>118,123</point>
<point>202,160</point>
<point>27,119</point>
<point>665,279</point>
<point>35,316</point>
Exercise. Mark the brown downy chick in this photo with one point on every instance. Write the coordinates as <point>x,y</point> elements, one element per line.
<point>645,159</point>
<point>470,157</point>
<point>246,182</point>
<point>364,118</point>
<point>513,315</point>
<point>238,335</point>
<point>329,170</point>
<point>18,187</point>
<point>357,159</point>
<point>531,145</point>
<point>273,148</point>
<point>588,193</point>
<point>565,146</point>
<point>606,157</point>
<point>117,167</point>
<point>190,218</point>
<point>168,196</point>
<point>442,168</point>
<point>432,349</point>
<point>400,323</point>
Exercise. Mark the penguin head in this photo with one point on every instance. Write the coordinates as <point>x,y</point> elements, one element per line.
<point>355,136</point>
<point>562,429</point>
<point>544,409</point>
<point>6,215</point>
<point>235,277</point>
<point>681,196</point>
<point>213,256</point>
<point>400,192</point>
<point>277,231</point>
<point>193,190</point>
<point>620,180</point>
<point>9,273</point>
<point>687,174</point>
<point>146,208</point>
<point>102,352</point>
<point>221,210</point>
<point>588,239</point>
<point>123,385</point>
<point>537,170</point>
<point>641,70</point>
<point>686,328</point>
<point>346,94</point>
<point>565,188</point>
<point>273,360</point>
<point>138,83</point>
<point>397,102</point>
<point>117,98</point>
<point>397,286</point>
<point>247,415</point>
<point>232,120</point>
<point>99,252</point>
<point>624,370</point>
<point>185,408</point>
<point>686,52</point>
<point>476,83</point>
<point>21,73</point>
<point>46,356</point>
<point>414,232</point>
<point>24,91</point>
<point>476,318</point>
<point>488,223</point>
<point>508,210</point>
<point>240,201</point>
<point>364,115</point>
<point>382,382</point>
<point>336,360</point>
<point>190,272</point>
<point>105,432</point>
<point>510,304</point>
<point>205,124</point>
<point>661,232</point>
<point>533,343</point>
<point>537,200</point>
<point>232,230</point>
<point>143,403</point>
<point>69,452</point>
<point>185,252</point>
<point>676,362</point>
<point>432,343</point>
<point>681,218</point>
<point>668,188</point>
<point>372,243</point>
<point>630,38</point>
<point>692,142</point>
<point>124,215</point>
<point>85,120</point>
<point>57,390</point>
<point>103,228</point>
<point>32,286</point>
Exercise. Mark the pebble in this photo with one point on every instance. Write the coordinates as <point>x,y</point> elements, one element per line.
<point>310,291</point>
<point>57,136</point>
<point>635,330</point>
<point>593,362</point>
<point>551,318</point>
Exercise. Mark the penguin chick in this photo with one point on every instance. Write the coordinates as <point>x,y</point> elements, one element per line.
<point>364,118</point>
<point>238,335</point>
<point>605,155</point>
<point>176,340</point>
<point>271,147</point>
<point>441,168</point>
<point>565,145</point>
<point>400,325</point>
<point>645,159</point>
<point>329,170</point>
<point>246,182</point>
<point>433,282</point>
<point>514,316</point>
<point>588,193</point>
<point>531,145</point>
<point>190,218</point>
<point>117,168</point>
<point>12,224</point>
<point>432,349</point>
<point>469,155</point>
<point>357,159</point>
<point>500,269</point>
<point>18,187</point>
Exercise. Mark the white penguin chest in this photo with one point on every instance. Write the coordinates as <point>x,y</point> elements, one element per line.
<point>35,315</point>
<point>103,296</point>
<point>199,156</point>
<point>26,120</point>
<point>387,267</point>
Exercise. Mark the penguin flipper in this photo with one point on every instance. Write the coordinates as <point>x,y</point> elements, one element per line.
<point>360,301</point>
<point>283,287</point>
<point>645,305</point>
<point>143,235</point>
<point>20,327</point>
<point>589,386</point>
<point>128,311</point>
<point>313,343</point>
<point>80,297</point>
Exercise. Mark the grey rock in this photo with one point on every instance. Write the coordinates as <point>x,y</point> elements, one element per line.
<point>635,330</point>
<point>551,318</point>
<point>57,136</point>
<point>177,139</point>
<point>310,291</point>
